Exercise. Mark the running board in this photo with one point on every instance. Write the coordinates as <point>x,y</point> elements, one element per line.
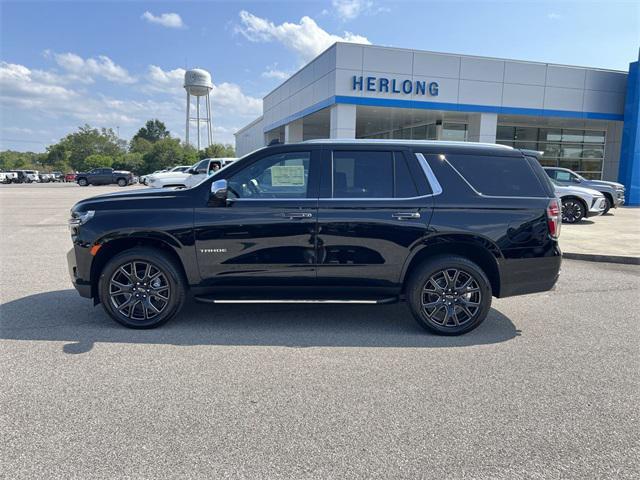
<point>379,301</point>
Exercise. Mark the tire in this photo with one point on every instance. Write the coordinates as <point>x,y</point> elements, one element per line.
<point>429,301</point>
<point>609,205</point>
<point>573,210</point>
<point>83,182</point>
<point>121,304</point>
<point>122,182</point>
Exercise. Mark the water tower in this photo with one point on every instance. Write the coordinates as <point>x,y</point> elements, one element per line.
<point>197,83</point>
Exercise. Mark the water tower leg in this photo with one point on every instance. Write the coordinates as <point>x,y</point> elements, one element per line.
<point>209,127</point>
<point>187,126</point>
<point>198,120</point>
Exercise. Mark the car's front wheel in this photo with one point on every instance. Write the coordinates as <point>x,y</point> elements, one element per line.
<point>449,295</point>
<point>608,205</point>
<point>573,210</point>
<point>83,182</point>
<point>141,288</point>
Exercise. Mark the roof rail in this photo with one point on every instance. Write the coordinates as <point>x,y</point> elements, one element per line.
<point>374,141</point>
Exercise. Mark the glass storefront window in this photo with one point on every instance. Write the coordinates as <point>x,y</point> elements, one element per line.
<point>454,132</point>
<point>550,135</point>
<point>571,151</point>
<point>569,163</point>
<point>550,150</point>
<point>526,134</point>
<point>505,133</point>
<point>419,133</point>
<point>573,136</point>
<point>591,165</point>
<point>592,136</point>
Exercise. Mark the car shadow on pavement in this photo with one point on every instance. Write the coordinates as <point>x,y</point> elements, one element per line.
<point>63,316</point>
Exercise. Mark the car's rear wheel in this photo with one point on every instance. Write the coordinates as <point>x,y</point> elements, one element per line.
<point>141,288</point>
<point>83,182</point>
<point>449,295</point>
<point>122,182</point>
<point>573,210</point>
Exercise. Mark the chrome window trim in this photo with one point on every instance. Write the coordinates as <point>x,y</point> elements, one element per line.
<point>436,188</point>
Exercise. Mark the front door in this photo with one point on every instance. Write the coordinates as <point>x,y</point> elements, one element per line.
<point>266,233</point>
<point>374,207</point>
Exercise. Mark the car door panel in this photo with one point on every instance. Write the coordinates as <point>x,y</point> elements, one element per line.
<point>365,241</point>
<point>259,241</point>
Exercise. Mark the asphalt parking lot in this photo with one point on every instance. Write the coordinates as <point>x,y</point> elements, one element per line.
<point>548,387</point>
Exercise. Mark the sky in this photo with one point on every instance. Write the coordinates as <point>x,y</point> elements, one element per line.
<point>117,64</point>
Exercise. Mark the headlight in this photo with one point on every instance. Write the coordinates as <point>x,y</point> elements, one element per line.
<point>80,218</point>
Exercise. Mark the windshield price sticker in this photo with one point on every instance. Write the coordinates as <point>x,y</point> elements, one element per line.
<point>287,176</point>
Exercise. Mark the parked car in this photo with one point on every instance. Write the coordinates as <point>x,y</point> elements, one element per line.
<point>8,177</point>
<point>31,176</point>
<point>105,176</point>
<point>46,177</point>
<point>144,178</point>
<point>612,191</point>
<point>443,226</point>
<point>148,179</point>
<point>70,177</point>
<point>579,202</point>
<point>57,176</point>
<point>192,176</point>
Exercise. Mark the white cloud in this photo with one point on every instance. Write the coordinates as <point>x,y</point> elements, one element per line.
<point>305,38</point>
<point>350,9</point>
<point>48,100</point>
<point>169,20</point>
<point>85,69</point>
<point>554,16</point>
<point>273,72</point>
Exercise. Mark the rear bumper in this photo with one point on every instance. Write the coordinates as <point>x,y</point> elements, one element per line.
<point>529,275</point>
<point>82,286</point>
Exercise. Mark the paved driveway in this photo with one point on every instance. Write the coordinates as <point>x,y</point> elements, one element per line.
<point>547,387</point>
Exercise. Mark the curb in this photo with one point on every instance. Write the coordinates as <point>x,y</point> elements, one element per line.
<point>587,257</point>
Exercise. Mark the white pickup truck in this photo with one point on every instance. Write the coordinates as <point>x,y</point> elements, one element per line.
<point>190,177</point>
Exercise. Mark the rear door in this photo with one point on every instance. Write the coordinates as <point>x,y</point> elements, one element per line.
<point>374,205</point>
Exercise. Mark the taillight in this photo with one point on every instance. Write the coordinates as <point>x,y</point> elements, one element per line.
<point>554,218</point>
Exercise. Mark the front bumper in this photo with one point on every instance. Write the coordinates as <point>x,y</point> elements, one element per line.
<point>82,286</point>
<point>598,206</point>
<point>619,200</point>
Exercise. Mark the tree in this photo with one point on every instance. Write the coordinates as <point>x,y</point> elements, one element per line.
<point>218,150</point>
<point>133,162</point>
<point>89,141</point>
<point>153,131</point>
<point>140,145</point>
<point>98,161</point>
<point>164,153</point>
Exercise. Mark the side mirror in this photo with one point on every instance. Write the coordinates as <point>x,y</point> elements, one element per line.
<point>218,193</point>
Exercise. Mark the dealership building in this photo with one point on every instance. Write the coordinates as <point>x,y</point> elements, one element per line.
<point>585,119</point>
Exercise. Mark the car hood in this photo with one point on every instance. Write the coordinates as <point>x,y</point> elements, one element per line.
<point>574,190</point>
<point>103,202</point>
<point>604,183</point>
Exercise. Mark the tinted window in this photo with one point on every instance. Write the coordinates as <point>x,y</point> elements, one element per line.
<point>501,176</point>
<point>404,184</point>
<point>362,174</point>
<point>284,175</point>
<point>563,176</point>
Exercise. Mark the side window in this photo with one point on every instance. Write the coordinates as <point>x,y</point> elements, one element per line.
<point>550,173</point>
<point>362,174</point>
<point>499,176</point>
<point>563,176</point>
<point>284,175</point>
<point>201,165</point>
<point>405,187</point>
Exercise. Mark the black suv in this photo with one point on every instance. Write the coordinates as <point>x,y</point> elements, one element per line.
<point>444,226</point>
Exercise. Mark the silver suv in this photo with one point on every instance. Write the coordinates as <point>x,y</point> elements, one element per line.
<point>613,191</point>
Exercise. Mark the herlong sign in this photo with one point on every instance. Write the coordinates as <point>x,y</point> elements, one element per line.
<point>393,85</point>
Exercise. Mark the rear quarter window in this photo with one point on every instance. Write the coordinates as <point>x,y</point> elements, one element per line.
<point>498,176</point>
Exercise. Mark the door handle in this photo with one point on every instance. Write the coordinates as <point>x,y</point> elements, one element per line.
<point>293,215</point>
<point>406,215</point>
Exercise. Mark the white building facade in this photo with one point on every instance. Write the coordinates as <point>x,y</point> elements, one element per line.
<point>575,115</point>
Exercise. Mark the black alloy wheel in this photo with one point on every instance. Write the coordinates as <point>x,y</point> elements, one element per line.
<point>449,295</point>
<point>142,288</point>
<point>572,210</point>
